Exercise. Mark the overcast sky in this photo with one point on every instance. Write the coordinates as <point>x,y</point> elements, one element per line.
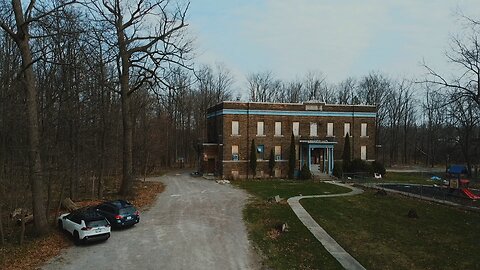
<point>337,38</point>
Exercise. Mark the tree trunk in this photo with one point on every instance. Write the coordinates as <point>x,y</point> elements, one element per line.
<point>2,238</point>
<point>35,166</point>
<point>127,166</point>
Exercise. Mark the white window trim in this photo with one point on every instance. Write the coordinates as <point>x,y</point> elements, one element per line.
<point>263,129</point>
<point>313,134</point>
<point>363,155</point>
<point>238,129</point>
<point>345,130</point>
<point>332,134</point>
<point>364,135</point>
<point>235,153</point>
<point>298,129</point>
<point>278,134</point>
<point>278,155</point>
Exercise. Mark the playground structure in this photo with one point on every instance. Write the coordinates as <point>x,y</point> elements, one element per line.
<point>456,183</point>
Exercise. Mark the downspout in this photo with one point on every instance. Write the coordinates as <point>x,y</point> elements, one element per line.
<point>248,138</point>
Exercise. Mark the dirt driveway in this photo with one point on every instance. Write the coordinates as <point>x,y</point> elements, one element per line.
<point>194,224</point>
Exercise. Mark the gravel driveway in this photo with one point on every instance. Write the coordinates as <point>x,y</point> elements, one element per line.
<point>194,224</point>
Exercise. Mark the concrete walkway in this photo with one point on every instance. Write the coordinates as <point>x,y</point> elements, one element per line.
<point>344,258</point>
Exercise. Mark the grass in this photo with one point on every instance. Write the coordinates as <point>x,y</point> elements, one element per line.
<point>376,231</point>
<point>297,248</point>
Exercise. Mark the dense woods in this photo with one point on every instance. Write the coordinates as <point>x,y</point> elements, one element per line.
<point>99,90</point>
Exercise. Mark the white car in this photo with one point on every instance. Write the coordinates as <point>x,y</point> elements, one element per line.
<point>85,225</point>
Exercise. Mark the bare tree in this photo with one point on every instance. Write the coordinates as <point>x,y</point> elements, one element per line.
<point>145,54</point>
<point>262,86</point>
<point>434,112</point>
<point>465,117</point>
<point>346,90</point>
<point>375,89</point>
<point>316,88</point>
<point>17,23</point>
<point>465,55</point>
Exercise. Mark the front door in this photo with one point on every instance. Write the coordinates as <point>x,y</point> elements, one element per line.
<point>210,168</point>
<point>316,161</point>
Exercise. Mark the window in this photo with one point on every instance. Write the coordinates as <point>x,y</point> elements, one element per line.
<point>235,130</point>
<point>278,152</point>
<point>329,129</point>
<point>363,132</point>
<point>363,152</point>
<point>313,130</point>
<point>278,128</point>
<point>235,155</point>
<point>296,128</point>
<point>260,130</point>
<point>346,129</point>
<point>260,151</point>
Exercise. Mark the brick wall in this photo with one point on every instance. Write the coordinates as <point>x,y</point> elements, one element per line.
<point>248,131</point>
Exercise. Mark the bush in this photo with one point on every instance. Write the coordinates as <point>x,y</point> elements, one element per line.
<point>358,165</point>
<point>305,173</point>
<point>377,167</point>
<point>338,169</point>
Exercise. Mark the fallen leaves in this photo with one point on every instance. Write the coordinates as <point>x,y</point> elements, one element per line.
<point>36,252</point>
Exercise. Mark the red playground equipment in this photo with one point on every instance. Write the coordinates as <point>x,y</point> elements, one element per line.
<point>462,186</point>
<point>470,194</point>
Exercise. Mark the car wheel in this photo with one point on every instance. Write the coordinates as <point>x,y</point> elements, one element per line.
<point>76,238</point>
<point>60,225</point>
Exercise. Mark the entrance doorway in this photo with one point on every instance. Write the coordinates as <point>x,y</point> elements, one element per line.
<point>316,161</point>
<point>318,155</point>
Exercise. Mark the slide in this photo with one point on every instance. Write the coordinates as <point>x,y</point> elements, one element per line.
<point>470,194</point>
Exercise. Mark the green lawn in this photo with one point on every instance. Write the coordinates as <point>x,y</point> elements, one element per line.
<point>376,231</point>
<point>297,248</point>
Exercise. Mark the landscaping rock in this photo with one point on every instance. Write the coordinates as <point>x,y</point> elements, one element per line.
<point>282,227</point>
<point>223,182</point>
<point>275,199</point>
<point>412,213</point>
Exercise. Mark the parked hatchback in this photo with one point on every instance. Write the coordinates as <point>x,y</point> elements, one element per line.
<point>119,213</point>
<point>85,225</point>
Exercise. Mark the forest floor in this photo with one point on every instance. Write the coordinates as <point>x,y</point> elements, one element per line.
<point>36,251</point>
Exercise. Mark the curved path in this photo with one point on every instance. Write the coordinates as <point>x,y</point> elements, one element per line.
<point>344,258</point>
<point>194,224</point>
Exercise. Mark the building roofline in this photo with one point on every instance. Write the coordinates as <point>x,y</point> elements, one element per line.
<point>298,103</point>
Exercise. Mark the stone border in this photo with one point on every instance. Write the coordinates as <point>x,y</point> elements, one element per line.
<point>343,257</point>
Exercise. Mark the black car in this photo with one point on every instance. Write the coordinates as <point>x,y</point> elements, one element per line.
<point>119,213</point>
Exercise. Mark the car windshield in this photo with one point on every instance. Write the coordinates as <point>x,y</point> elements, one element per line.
<point>97,223</point>
<point>129,210</point>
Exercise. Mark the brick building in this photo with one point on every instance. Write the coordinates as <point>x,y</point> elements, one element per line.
<point>319,130</point>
